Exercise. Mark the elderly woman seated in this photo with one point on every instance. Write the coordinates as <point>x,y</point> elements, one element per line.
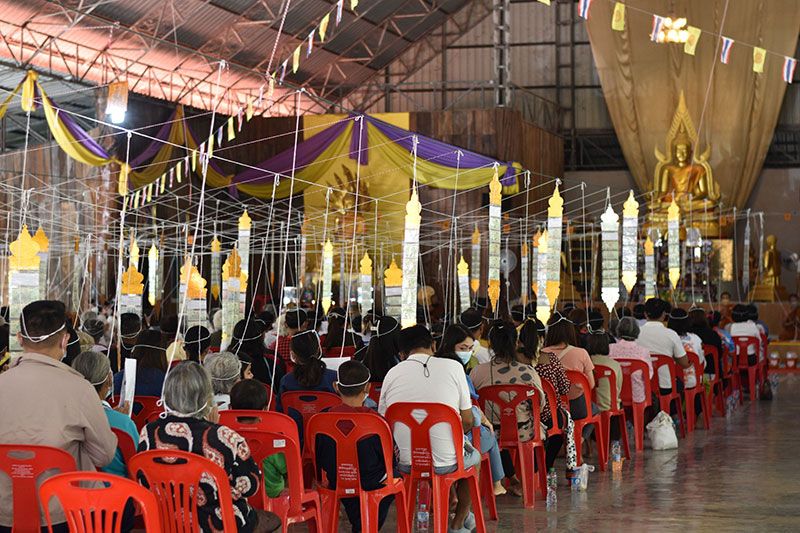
<point>225,371</point>
<point>191,425</point>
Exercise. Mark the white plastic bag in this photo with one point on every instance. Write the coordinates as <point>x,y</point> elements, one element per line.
<point>662,432</point>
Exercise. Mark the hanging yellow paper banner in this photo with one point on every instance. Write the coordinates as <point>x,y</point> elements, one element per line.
<point>122,186</point>
<point>163,183</point>
<point>296,59</point>
<point>250,111</point>
<point>759,57</point>
<point>194,160</point>
<point>136,199</point>
<point>353,5</point>
<point>178,169</point>
<point>231,130</point>
<point>618,20</point>
<point>323,26</point>
<point>149,192</point>
<point>691,41</point>
<point>210,151</point>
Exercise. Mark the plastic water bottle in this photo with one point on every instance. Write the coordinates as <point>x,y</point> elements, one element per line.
<point>616,456</point>
<point>552,487</point>
<point>423,507</point>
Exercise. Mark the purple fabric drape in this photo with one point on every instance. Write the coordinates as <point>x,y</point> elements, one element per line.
<point>153,148</point>
<point>439,152</point>
<point>78,133</point>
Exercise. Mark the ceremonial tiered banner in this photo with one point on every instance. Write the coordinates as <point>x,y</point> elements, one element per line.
<point>609,227</point>
<point>216,268</point>
<point>746,256</point>
<point>463,283</point>
<point>408,315</point>
<point>542,300</point>
<point>554,213</point>
<point>245,226</point>
<point>327,275</point>
<point>44,253</point>
<point>132,286</point>
<point>193,296</point>
<point>525,279</point>
<point>234,290</point>
<point>674,243</point>
<point>23,280</point>
<point>393,291</point>
<point>365,284</point>
<point>649,270</point>
<point>475,270</point>
<point>493,288</point>
<point>630,230</point>
<point>153,275</point>
<point>535,263</point>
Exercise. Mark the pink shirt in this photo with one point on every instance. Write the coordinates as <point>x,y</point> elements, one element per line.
<point>623,349</point>
<point>574,358</point>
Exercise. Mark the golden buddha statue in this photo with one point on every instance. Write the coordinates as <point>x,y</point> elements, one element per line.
<point>685,175</point>
<point>769,288</point>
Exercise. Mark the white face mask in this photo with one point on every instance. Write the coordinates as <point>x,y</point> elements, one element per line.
<point>464,356</point>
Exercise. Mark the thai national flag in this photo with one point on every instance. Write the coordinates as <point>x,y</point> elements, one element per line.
<point>658,22</point>
<point>583,8</point>
<point>789,64</point>
<point>725,53</point>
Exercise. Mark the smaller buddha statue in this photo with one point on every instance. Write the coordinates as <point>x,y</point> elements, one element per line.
<point>769,288</point>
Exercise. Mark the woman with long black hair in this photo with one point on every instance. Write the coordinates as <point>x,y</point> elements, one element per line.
<point>383,351</point>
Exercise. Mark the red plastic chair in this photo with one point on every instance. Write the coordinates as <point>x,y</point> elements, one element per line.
<point>629,368</point>
<point>552,405</point>
<point>375,388</point>
<point>503,400</point>
<point>607,373</point>
<point>24,465</point>
<point>100,506</point>
<point>338,351</point>
<point>174,477</point>
<point>731,380</point>
<point>346,430</point>
<point>577,378</point>
<point>268,433</point>
<point>665,400</point>
<point>125,445</point>
<point>308,403</point>
<point>690,395</point>
<point>486,482</point>
<point>717,392</point>
<point>422,461</point>
<point>145,409</point>
<point>753,371</point>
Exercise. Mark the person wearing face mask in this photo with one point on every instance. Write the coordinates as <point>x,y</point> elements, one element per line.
<point>457,344</point>
<point>309,372</point>
<point>53,405</point>
<point>190,423</point>
<point>472,319</point>
<point>94,366</point>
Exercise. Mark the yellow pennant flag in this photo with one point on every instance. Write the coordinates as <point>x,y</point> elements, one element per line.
<point>194,160</point>
<point>353,5</point>
<point>323,26</point>
<point>545,2</point>
<point>759,57</point>
<point>618,20</point>
<point>178,168</point>
<point>691,42</point>
<point>163,183</point>
<point>231,130</point>
<point>149,192</point>
<point>210,151</point>
<point>136,199</point>
<point>271,87</point>
<point>296,59</point>
<point>250,111</point>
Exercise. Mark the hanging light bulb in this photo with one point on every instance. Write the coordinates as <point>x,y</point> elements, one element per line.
<point>117,103</point>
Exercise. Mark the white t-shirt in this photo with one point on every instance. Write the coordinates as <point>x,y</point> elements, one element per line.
<point>661,340</point>
<point>746,329</point>
<point>445,384</point>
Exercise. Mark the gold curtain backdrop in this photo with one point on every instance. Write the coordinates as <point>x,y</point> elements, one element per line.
<point>642,82</point>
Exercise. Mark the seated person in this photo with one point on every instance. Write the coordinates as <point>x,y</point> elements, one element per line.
<point>337,336</point>
<point>660,340</point>
<point>151,365</point>
<point>699,326</point>
<point>742,326</point>
<point>353,386</point>
<point>197,343</point>
<point>714,319</point>
<point>626,348</point>
<point>598,348</point>
<point>251,395</point>
<point>94,366</point>
<point>191,425</point>
<point>225,371</point>
<point>421,377</point>
<point>383,351</point>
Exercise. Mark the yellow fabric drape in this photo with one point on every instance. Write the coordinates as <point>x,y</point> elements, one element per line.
<point>163,158</point>
<point>642,81</point>
<point>7,101</point>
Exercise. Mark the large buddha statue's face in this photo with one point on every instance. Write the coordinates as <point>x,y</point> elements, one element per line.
<point>682,152</point>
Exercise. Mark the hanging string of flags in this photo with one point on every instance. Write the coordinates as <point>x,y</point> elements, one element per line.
<point>693,37</point>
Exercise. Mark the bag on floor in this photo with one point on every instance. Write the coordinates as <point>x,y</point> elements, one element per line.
<point>662,432</point>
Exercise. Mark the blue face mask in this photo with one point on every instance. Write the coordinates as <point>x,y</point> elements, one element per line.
<point>464,356</point>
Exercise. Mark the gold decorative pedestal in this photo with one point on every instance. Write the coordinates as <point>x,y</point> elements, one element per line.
<point>767,293</point>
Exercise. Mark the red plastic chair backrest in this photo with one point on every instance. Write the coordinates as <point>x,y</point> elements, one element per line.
<point>24,464</point>
<point>577,378</point>
<point>375,388</point>
<point>433,413</point>
<point>145,409</point>
<point>606,372</point>
<point>174,477</point>
<point>742,343</point>
<point>694,360</point>
<point>125,445</point>
<point>98,507</point>
<point>504,400</point>
<point>308,403</point>
<point>629,368</point>
<point>346,430</point>
<point>660,360</point>
<point>339,351</point>
<point>552,401</point>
